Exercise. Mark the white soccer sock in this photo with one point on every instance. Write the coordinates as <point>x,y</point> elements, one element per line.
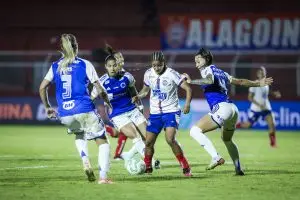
<point>139,145</point>
<point>81,145</point>
<point>204,141</point>
<point>103,160</point>
<point>233,152</point>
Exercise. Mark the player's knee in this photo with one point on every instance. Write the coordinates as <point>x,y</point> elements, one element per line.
<point>195,131</point>
<point>171,140</point>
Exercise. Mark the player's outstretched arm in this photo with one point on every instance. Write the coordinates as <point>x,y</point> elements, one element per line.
<point>248,83</point>
<point>188,98</point>
<point>143,93</point>
<point>203,81</point>
<point>133,92</point>
<point>44,97</point>
<point>101,92</point>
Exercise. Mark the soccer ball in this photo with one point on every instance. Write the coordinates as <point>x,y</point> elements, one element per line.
<point>135,166</point>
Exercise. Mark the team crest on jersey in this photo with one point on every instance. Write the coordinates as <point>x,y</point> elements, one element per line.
<point>164,82</point>
<point>106,82</point>
<point>123,85</point>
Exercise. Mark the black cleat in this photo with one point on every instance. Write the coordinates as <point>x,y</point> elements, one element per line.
<point>90,175</point>
<point>157,164</point>
<point>187,172</point>
<point>239,172</point>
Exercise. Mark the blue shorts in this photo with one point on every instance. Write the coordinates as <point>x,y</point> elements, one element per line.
<point>157,122</point>
<point>254,116</point>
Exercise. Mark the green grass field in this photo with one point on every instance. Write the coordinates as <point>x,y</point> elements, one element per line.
<point>41,162</point>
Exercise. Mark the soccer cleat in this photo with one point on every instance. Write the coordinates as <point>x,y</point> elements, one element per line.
<point>214,163</point>
<point>118,158</point>
<point>157,164</point>
<point>105,181</point>
<point>239,172</point>
<point>187,172</point>
<point>90,175</point>
<point>148,170</point>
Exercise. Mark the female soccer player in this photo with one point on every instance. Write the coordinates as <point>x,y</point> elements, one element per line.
<point>71,76</point>
<point>125,116</point>
<point>224,113</point>
<point>261,107</point>
<point>164,108</point>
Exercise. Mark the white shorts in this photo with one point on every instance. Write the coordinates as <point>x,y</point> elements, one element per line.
<point>134,116</point>
<point>225,114</point>
<point>90,123</point>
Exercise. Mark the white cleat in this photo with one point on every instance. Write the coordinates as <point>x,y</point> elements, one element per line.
<point>215,162</point>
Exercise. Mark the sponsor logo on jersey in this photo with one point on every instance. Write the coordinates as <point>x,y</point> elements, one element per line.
<point>68,105</point>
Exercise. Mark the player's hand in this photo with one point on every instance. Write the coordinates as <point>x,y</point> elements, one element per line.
<point>265,81</point>
<point>188,78</point>
<point>51,113</point>
<point>277,94</point>
<point>135,99</point>
<point>186,108</point>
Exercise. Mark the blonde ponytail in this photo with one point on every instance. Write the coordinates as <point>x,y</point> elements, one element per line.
<point>69,50</point>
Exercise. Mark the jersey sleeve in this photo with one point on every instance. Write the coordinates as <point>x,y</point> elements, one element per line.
<point>228,76</point>
<point>207,71</point>
<point>91,72</point>
<point>130,78</point>
<point>49,76</point>
<point>146,79</point>
<point>177,78</point>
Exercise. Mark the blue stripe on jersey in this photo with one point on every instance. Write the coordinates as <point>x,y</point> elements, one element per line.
<point>72,94</point>
<point>118,94</point>
<point>217,92</point>
<point>159,100</point>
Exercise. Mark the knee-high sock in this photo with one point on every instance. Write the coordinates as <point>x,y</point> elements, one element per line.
<point>204,141</point>
<point>103,160</point>
<point>81,145</point>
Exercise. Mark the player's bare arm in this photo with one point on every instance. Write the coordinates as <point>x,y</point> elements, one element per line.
<point>248,83</point>
<point>143,93</point>
<point>133,92</point>
<point>203,81</point>
<point>44,97</point>
<point>188,98</point>
<point>101,92</point>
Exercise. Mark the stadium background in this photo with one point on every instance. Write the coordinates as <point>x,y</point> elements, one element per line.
<point>270,37</point>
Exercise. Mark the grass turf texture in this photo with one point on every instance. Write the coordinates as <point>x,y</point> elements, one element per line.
<point>41,162</point>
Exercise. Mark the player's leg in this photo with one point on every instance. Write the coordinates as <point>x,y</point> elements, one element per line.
<point>154,126</point>
<point>272,130</point>
<point>95,130</point>
<point>252,118</point>
<point>138,144</point>
<point>81,144</point>
<point>140,123</point>
<point>227,133</point>
<point>113,132</point>
<point>177,150</point>
<point>204,125</point>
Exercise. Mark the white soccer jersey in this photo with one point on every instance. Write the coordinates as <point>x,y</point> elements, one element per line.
<point>261,95</point>
<point>163,97</point>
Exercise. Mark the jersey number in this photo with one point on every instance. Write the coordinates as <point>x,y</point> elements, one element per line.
<point>222,84</point>
<point>67,86</point>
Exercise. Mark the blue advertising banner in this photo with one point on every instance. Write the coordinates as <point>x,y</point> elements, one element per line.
<point>268,31</point>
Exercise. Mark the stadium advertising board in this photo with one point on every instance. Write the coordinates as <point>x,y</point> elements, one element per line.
<point>31,111</point>
<point>231,32</point>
